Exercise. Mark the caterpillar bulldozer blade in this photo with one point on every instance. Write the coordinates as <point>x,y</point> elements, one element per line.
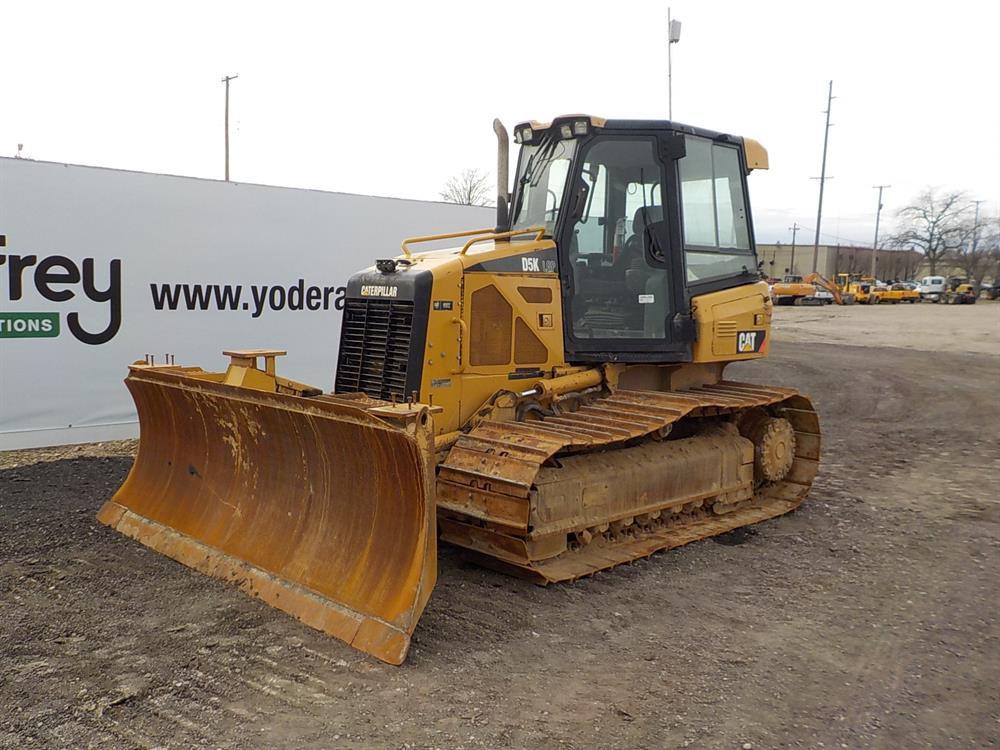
<point>321,506</point>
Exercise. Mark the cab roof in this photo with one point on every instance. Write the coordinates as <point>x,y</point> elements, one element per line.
<point>755,154</point>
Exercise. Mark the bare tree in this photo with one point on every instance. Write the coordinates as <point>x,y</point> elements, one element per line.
<point>469,188</point>
<point>989,247</point>
<point>934,224</point>
<point>895,262</point>
<point>975,253</point>
<point>911,264</point>
<point>995,250</point>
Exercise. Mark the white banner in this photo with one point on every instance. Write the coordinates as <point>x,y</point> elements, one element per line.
<point>100,267</point>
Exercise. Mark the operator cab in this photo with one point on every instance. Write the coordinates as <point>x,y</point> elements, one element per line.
<point>645,216</point>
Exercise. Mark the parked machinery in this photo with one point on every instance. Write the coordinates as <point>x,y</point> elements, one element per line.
<point>838,296</point>
<point>792,290</point>
<point>960,294</point>
<point>862,288</point>
<point>897,292</point>
<point>990,291</point>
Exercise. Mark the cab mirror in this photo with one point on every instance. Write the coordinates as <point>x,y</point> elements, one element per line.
<point>579,199</point>
<point>673,146</point>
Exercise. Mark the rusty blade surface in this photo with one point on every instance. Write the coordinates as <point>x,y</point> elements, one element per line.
<point>315,506</point>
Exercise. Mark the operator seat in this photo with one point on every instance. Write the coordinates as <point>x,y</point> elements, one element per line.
<point>635,244</point>
<point>643,281</point>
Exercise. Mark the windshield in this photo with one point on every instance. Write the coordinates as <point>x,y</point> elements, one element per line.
<point>541,179</point>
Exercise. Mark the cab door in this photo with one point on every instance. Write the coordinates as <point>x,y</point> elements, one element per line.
<point>623,287</point>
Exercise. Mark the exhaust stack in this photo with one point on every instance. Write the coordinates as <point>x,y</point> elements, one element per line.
<point>503,175</point>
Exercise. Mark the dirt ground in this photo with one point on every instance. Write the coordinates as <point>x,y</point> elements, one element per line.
<point>973,329</point>
<point>866,619</point>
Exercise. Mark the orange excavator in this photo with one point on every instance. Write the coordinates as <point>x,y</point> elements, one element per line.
<point>792,290</point>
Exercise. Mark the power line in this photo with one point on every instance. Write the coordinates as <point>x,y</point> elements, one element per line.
<point>830,236</point>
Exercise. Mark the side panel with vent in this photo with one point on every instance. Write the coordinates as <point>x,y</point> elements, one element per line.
<point>528,348</point>
<point>490,323</point>
<point>724,336</point>
<point>512,334</point>
<point>536,295</point>
<point>726,317</point>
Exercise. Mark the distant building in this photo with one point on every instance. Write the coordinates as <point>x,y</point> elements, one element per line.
<point>779,260</point>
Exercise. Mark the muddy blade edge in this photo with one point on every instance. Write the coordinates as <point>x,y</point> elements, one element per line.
<point>316,507</point>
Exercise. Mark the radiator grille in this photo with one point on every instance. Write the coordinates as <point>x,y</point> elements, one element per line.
<point>375,348</point>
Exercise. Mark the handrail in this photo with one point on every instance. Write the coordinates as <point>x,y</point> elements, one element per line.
<point>539,232</point>
<point>431,237</point>
<point>481,235</point>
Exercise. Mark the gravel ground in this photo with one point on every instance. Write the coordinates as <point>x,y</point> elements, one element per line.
<point>866,619</point>
<point>959,329</point>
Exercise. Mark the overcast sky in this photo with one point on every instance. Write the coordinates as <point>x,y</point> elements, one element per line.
<point>392,99</point>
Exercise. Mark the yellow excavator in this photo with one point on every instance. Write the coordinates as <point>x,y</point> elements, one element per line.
<point>840,297</point>
<point>549,395</point>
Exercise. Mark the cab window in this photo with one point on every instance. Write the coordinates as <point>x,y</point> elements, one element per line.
<point>715,230</point>
<point>591,227</point>
<point>541,181</point>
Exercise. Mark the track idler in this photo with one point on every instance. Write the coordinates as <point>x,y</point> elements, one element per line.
<point>773,438</point>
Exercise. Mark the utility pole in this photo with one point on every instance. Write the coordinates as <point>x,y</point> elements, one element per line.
<point>226,81</point>
<point>795,230</point>
<point>822,177</point>
<point>673,36</point>
<point>878,215</point>
<point>975,227</point>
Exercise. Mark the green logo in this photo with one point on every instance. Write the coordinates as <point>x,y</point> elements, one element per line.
<point>37,325</point>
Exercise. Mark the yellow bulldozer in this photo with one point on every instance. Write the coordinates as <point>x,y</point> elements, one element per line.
<point>549,395</point>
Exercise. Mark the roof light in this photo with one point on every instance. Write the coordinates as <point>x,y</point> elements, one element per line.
<point>524,135</point>
<point>580,127</point>
<point>566,131</point>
